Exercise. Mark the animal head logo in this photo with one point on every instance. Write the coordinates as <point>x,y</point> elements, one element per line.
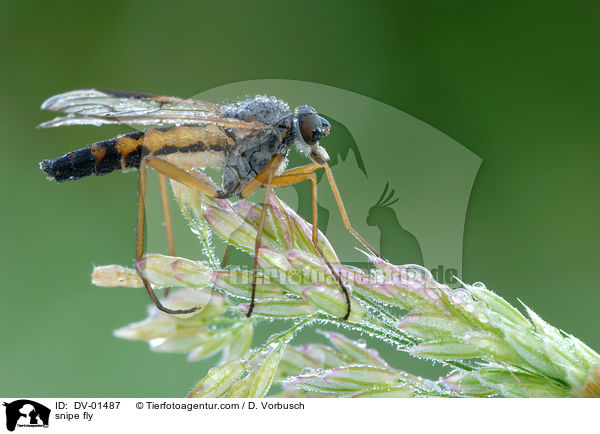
<point>379,211</point>
<point>25,412</point>
<point>396,243</point>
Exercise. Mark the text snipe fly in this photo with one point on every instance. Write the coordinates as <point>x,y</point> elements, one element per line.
<point>249,140</point>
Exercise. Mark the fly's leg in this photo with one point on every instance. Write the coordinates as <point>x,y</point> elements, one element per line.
<point>173,172</point>
<point>164,198</point>
<point>344,214</point>
<point>295,176</point>
<point>263,178</point>
<point>261,225</point>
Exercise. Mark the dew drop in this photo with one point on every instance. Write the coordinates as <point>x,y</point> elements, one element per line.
<point>307,371</point>
<point>460,296</point>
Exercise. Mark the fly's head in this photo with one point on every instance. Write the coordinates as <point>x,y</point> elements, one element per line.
<point>309,128</point>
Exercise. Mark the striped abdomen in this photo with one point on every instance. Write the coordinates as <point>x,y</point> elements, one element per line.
<point>195,145</point>
<point>98,159</point>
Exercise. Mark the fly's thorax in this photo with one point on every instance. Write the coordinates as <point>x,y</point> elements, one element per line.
<point>268,110</point>
<point>251,155</point>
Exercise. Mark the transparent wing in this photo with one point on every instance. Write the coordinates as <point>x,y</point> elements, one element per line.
<point>102,107</point>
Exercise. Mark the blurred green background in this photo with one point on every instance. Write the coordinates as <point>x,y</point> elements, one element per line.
<point>514,82</point>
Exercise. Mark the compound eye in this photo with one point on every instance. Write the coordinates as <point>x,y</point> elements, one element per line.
<point>310,128</point>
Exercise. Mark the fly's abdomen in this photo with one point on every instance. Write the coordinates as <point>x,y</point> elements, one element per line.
<point>124,152</point>
<point>197,146</point>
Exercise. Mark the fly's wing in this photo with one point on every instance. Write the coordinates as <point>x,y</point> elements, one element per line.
<point>102,107</point>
